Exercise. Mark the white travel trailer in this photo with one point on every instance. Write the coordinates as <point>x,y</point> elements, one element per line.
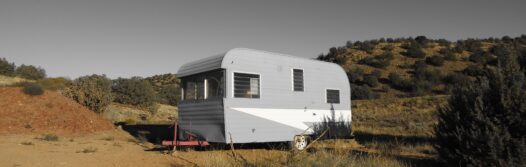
<point>257,96</point>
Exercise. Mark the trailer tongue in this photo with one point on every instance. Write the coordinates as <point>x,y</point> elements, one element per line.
<point>191,139</point>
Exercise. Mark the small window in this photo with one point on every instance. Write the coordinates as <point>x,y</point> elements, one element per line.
<point>246,85</point>
<point>297,78</point>
<point>333,96</point>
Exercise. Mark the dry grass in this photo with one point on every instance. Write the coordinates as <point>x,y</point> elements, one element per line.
<point>7,81</point>
<point>389,132</point>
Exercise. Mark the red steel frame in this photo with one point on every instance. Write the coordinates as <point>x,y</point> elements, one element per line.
<point>192,141</point>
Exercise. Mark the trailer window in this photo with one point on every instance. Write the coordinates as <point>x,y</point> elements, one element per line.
<point>246,85</point>
<point>333,96</point>
<point>297,80</point>
<point>208,85</point>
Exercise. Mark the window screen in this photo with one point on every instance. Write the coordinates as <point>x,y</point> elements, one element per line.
<point>246,85</point>
<point>297,77</point>
<point>333,96</point>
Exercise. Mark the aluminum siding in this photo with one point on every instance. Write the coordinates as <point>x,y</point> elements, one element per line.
<point>205,119</point>
<point>276,92</point>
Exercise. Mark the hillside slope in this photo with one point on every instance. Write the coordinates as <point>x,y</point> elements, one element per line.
<point>47,113</point>
<point>407,67</point>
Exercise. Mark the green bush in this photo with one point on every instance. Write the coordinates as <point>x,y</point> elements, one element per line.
<point>415,51</point>
<point>7,68</point>
<point>33,89</point>
<point>435,60</point>
<point>92,91</point>
<point>483,123</point>
<point>480,57</point>
<point>134,91</point>
<point>380,61</point>
<point>397,82</point>
<point>362,92</point>
<point>355,75</point>
<point>377,73</point>
<point>474,70</point>
<point>448,54</point>
<point>455,79</point>
<point>170,94</point>
<point>370,80</point>
<point>30,72</point>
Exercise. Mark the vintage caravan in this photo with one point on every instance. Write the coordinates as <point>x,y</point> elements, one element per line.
<point>258,96</point>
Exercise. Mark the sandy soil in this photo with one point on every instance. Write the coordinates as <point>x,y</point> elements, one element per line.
<point>111,148</point>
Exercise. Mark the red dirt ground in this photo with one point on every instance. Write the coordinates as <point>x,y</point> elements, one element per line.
<point>50,112</point>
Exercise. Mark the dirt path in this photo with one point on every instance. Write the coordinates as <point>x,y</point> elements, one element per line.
<point>114,148</point>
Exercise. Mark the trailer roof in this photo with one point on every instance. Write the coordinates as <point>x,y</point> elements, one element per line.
<point>215,62</point>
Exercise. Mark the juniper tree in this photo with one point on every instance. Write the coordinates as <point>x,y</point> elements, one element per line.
<point>482,125</point>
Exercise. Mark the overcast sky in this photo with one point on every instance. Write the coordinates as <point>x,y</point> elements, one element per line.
<point>123,38</point>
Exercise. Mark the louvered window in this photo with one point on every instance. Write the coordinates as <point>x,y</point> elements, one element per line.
<point>333,96</point>
<point>297,78</point>
<point>246,85</point>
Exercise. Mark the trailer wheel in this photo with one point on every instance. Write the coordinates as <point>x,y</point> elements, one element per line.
<point>300,142</point>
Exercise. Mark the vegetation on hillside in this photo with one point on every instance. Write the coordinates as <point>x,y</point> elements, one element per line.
<point>417,66</point>
<point>25,71</point>
<point>134,91</point>
<point>93,91</point>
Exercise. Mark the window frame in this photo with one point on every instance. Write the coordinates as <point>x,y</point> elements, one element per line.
<point>206,95</point>
<point>327,93</point>
<point>302,79</point>
<point>251,73</point>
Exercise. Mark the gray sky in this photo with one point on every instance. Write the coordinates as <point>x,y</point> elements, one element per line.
<point>142,38</point>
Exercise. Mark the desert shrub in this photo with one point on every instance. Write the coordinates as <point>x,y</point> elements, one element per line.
<point>336,128</point>
<point>362,92</point>
<point>169,94</point>
<point>474,70</point>
<point>59,83</point>
<point>335,55</point>
<point>469,44</point>
<point>367,47</point>
<point>7,68</point>
<point>92,91</point>
<point>483,125</point>
<point>480,57</point>
<point>434,76</point>
<point>380,61</point>
<point>444,42</point>
<point>397,82</point>
<point>377,73</point>
<point>134,91</point>
<point>455,79</point>
<point>436,60</point>
<point>370,80</point>
<point>355,75</point>
<point>33,89</point>
<point>30,72</point>
<point>422,41</point>
<point>419,69</point>
<point>421,87</point>
<point>450,56</point>
<point>415,51</point>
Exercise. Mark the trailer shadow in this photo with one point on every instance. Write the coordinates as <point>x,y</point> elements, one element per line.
<point>156,133</point>
<point>153,133</point>
<point>364,137</point>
